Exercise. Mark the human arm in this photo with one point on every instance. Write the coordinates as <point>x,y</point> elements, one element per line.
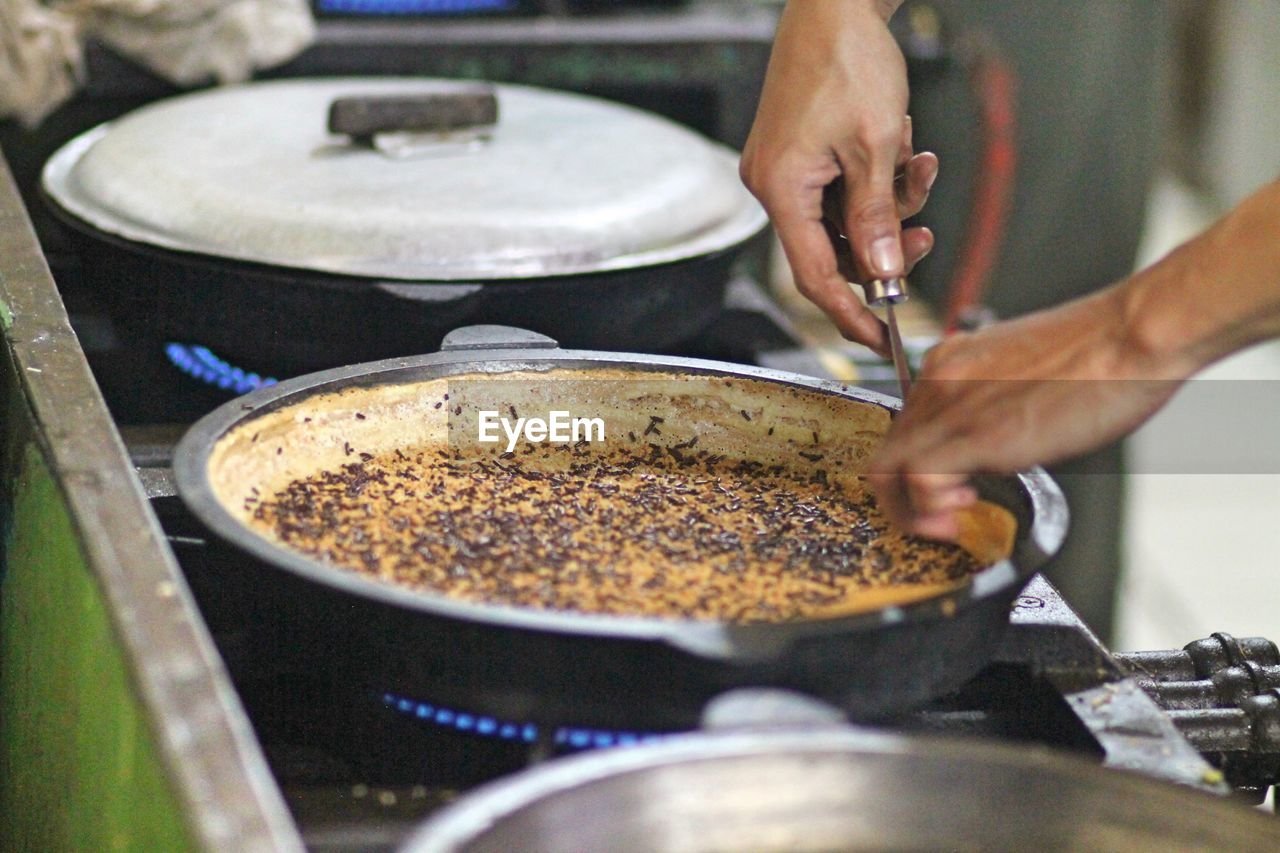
<point>1055,384</point>
<point>832,126</point>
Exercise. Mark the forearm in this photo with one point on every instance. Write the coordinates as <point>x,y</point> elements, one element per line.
<point>1211,297</point>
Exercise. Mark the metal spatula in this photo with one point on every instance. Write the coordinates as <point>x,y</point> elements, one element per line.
<point>887,293</point>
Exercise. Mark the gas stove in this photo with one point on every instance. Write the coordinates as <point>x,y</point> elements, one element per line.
<point>359,769</point>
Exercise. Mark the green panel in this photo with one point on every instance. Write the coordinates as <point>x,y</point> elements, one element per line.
<point>78,770</point>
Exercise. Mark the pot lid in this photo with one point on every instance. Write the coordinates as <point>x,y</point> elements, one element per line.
<point>560,184</point>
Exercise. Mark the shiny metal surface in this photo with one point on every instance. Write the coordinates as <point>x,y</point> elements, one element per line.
<point>900,364</point>
<point>200,732</point>
<point>836,789</point>
<point>888,293</point>
<point>566,184</point>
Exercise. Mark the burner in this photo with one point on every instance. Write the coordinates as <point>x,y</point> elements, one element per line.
<point>566,738</point>
<point>201,363</point>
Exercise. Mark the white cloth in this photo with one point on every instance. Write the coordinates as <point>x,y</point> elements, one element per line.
<point>40,59</point>
<point>185,41</point>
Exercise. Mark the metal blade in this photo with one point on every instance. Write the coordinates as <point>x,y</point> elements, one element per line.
<point>900,364</point>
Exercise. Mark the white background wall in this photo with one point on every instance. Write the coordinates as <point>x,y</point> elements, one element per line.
<point>1203,549</point>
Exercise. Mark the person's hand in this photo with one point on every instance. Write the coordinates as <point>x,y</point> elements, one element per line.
<point>1056,384</point>
<point>1043,388</point>
<point>830,135</point>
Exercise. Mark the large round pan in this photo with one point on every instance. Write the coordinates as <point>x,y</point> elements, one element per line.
<point>517,663</point>
<point>835,790</point>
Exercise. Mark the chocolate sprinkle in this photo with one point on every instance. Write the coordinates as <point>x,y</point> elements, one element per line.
<point>652,530</point>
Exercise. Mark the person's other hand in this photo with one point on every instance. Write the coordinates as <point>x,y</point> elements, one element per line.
<point>1036,390</point>
<point>830,135</point>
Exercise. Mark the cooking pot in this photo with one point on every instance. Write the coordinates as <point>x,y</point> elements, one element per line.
<point>835,789</point>
<point>569,667</point>
<point>302,224</point>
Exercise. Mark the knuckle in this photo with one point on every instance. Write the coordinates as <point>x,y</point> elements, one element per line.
<point>919,483</point>
<point>873,211</point>
<point>806,288</point>
<point>880,135</point>
<point>944,361</point>
<point>1000,431</point>
<point>753,177</point>
<point>762,175</point>
<point>935,361</point>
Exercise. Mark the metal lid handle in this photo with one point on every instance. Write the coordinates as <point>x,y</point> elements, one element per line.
<point>460,108</point>
<point>494,337</point>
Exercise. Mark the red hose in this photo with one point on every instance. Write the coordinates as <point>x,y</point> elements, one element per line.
<point>995,87</point>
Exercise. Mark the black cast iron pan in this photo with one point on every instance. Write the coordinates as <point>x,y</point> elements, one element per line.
<point>280,321</point>
<point>559,667</point>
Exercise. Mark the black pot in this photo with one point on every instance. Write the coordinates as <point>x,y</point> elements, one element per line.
<point>629,673</point>
<point>283,322</point>
<point>240,219</point>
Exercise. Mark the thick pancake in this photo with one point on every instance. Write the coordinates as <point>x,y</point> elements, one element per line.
<point>741,501</point>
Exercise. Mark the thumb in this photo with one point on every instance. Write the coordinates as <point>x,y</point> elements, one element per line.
<point>871,219</point>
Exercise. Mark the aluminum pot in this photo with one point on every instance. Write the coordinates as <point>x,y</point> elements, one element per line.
<point>567,667</point>
<point>835,789</point>
<point>247,220</point>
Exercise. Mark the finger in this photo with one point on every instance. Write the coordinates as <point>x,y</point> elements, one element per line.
<point>916,244</point>
<point>891,494</point>
<point>871,207</point>
<point>812,256</point>
<point>972,451</point>
<point>914,183</point>
<point>924,513</point>
<point>932,494</point>
<point>900,473</point>
<point>845,264</point>
<point>943,526</point>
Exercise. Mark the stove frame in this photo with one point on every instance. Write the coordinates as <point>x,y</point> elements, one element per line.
<point>106,663</point>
